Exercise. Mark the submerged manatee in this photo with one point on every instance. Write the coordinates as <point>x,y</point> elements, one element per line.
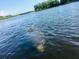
<point>37,38</point>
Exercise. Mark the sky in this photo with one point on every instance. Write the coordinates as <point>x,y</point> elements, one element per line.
<point>17,6</point>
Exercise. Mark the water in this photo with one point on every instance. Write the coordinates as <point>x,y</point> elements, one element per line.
<point>48,34</point>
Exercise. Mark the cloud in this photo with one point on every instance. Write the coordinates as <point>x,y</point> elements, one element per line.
<point>2,13</point>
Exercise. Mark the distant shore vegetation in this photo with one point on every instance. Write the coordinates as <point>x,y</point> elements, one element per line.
<point>51,3</point>
<point>5,17</point>
<point>9,16</point>
<point>42,6</point>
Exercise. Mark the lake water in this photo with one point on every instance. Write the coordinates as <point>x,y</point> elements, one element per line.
<point>48,34</point>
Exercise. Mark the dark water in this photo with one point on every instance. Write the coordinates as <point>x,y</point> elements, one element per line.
<point>56,30</point>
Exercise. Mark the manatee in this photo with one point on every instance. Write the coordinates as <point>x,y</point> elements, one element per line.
<point>37,38</point>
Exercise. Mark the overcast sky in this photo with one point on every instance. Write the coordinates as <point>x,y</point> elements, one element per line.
<point>17,6</point>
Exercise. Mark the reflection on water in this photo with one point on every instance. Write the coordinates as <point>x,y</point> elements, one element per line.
<point>48,34</point>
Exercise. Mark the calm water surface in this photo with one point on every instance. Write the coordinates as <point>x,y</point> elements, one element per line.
<point>55,31</point>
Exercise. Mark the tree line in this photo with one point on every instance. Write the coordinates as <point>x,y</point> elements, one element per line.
<point>5,17</point>
<point>51,3</point>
